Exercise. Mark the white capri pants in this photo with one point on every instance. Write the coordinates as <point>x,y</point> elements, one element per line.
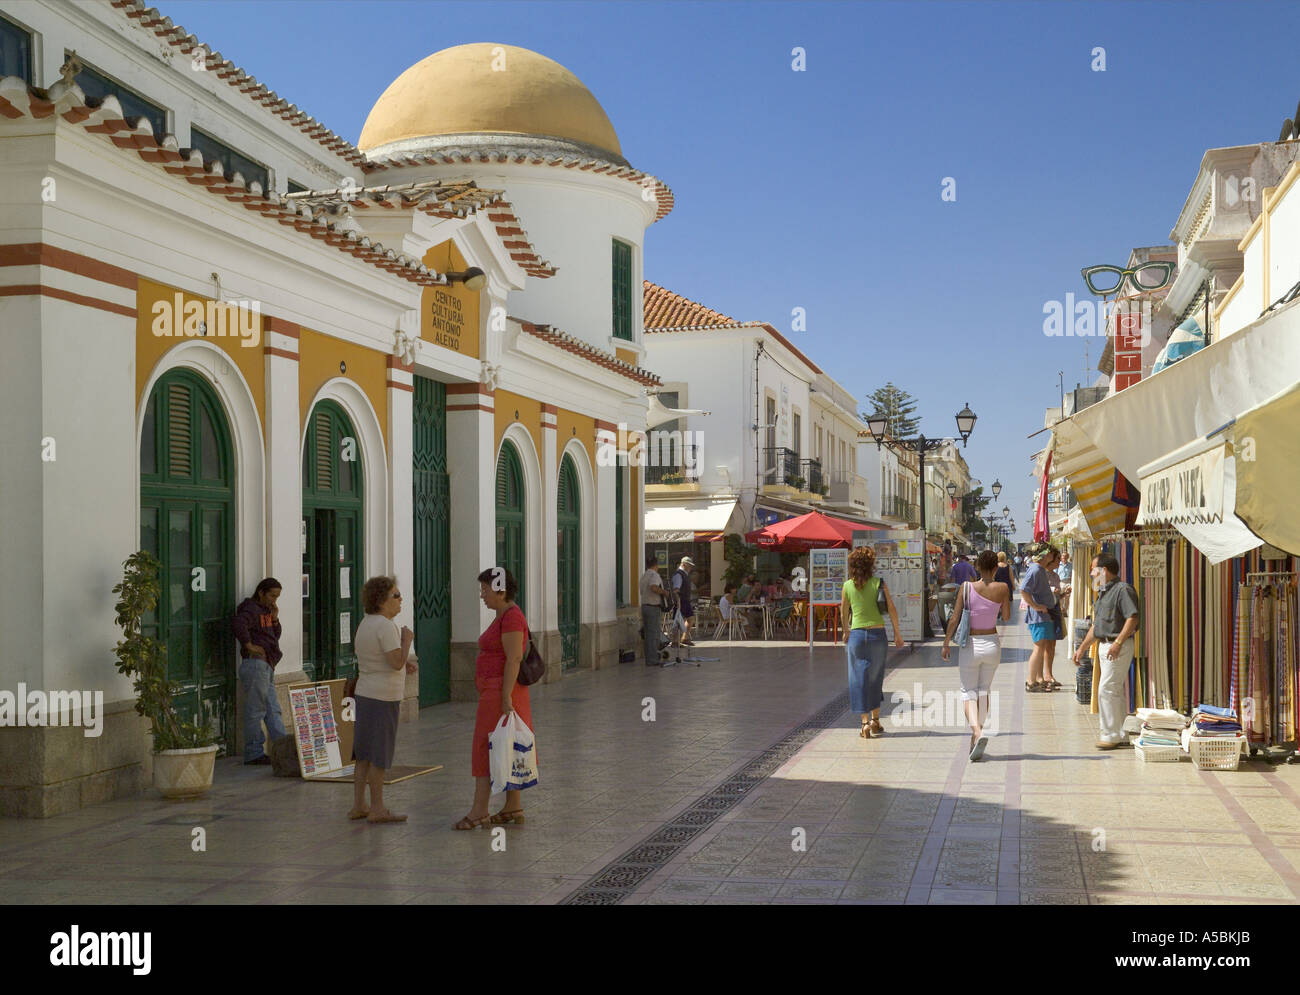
<point>976,664</point>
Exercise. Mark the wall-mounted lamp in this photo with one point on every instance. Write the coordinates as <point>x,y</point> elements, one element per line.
<point>473,278</point>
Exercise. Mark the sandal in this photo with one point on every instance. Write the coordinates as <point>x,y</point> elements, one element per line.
<point>504,818</point>
<point>866,731</point>
<point>358,813</point>
<point>468,823</point>
<point>877,729</point>
<point>1037,688</point>
<point>385,816</point>
<point>1055,685</point>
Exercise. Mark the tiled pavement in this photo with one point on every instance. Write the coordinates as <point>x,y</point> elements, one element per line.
<point>706,803</point>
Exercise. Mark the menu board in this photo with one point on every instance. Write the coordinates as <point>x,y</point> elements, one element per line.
<point>830,569</point>
<point>900,563</point>
<point>314,729</point>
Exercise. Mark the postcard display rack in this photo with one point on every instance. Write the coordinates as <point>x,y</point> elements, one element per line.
<point>829,570</point>
<point>900,563</point>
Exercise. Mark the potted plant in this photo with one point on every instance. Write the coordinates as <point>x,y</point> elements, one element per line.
<point>795,482</point>
<point>184,753</point>
<point>824,489</point>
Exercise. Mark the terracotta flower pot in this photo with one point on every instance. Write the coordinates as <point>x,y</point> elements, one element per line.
<point>184,773</point>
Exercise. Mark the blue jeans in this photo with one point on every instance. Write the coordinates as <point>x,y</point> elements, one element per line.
<point>866,652</point>
<point>260,702</point>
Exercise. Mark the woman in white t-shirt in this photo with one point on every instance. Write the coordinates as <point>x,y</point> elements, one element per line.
<point>382,666</point>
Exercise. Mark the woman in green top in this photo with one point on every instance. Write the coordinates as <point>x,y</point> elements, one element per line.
<point>866,644</point>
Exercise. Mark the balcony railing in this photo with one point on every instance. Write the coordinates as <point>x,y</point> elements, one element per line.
<point>781,466</point>
<point>684,472</point>
<point>812,474</point>
<point>897,507</point>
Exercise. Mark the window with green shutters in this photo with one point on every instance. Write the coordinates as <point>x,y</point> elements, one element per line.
<point>623,300</point>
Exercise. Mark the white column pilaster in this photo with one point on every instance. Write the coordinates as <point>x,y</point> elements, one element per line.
<point>548,547</point>
<point>283,474</point>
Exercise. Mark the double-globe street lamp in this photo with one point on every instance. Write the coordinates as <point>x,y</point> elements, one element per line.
<point>879,425</point>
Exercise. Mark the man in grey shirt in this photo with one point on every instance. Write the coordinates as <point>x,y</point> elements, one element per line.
<point>651,591</point>
<point>1114,620</point>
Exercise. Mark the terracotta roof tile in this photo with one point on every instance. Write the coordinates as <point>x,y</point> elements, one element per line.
<point>176,36</point>
<point>439,198</point>
<point>575,345</point>
<point>18,100</point>
<point>664,309</point>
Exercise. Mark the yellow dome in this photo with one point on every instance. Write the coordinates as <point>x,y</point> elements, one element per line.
<point>486,88</point>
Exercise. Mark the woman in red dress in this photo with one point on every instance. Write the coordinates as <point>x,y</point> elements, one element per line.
<point>496,675</point>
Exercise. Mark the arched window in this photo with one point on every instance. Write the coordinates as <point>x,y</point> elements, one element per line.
<point>187,522</point>
<point>510,516</point>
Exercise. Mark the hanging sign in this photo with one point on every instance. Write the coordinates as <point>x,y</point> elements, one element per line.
<point>1190,490</point>
<point>1152,562</point>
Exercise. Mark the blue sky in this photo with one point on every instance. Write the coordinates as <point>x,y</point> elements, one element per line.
<point>821,189</point>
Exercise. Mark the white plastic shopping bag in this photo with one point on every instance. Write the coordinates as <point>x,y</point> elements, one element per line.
<point>512,755</point>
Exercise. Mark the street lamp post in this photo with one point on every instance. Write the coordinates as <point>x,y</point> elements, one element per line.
<point>879,424</point>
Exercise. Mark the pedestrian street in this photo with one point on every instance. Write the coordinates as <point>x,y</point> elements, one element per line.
<point>750,785</point>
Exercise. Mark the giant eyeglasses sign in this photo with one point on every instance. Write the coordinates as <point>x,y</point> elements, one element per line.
<point>1104,280</point>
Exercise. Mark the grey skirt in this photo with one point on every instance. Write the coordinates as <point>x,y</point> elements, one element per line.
<point>374,736</point>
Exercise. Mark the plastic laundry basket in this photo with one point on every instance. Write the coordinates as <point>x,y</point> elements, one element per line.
<point>1083,683</point>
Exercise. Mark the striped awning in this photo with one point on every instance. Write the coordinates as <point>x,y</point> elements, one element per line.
<point>1091,476</point>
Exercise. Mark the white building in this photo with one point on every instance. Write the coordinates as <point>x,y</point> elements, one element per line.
<point>384,409</point>
<point>781,438</point>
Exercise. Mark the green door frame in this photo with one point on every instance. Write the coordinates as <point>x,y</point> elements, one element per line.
<point>187,480</point>
<point>333,512</point>
<point>568,587</point>
<point>512,534</point>
<point>430,597</point>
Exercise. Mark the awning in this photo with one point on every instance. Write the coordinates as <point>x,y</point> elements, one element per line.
<point>1185,485</point>
<point>1267,456</point>
<point>1194,489</point>
<point>1188,401</point>
<point>704,520</point>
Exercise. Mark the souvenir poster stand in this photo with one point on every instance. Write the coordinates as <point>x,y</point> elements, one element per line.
<point>828,570</point>
<point>322,737</point>
<point>900,563</point>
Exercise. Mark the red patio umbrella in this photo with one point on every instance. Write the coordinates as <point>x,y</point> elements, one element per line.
<point>811,531</point>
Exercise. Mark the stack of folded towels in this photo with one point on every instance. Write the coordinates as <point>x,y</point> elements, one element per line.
<point>1161,727</point>
<point>1210,721</point>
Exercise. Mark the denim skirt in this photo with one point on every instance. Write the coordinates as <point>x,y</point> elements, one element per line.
<point>866,657</point>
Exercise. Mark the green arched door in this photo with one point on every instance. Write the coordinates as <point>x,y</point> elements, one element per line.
<point>187,521</point>
<point>568,587</point>
<point>510,516</point>
<point>332,522</point>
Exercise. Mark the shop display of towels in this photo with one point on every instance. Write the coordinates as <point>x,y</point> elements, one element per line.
<point>1210,721</point>
<point>1161,727</point>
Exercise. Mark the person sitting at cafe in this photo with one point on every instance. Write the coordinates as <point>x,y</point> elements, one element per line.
<point>773,590</point>
<point>746,588</point>
<point>728,600</point>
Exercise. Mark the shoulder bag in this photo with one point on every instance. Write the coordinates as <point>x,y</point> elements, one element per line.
<point>532,668</point>
<point>963,627</point>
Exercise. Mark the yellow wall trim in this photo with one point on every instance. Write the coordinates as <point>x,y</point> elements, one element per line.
<point>1227,299</point>
<point>318,362</point>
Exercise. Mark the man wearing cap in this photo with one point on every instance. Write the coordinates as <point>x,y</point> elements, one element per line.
<point>682,590</point>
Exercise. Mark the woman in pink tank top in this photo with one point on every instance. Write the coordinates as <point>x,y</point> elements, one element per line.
<point>985,599</point>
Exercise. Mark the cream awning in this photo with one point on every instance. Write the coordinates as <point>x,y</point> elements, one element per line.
<point>704,520</point>
<point>1191,400</point>
<point>1185,485</point>
<point>1267,449</point>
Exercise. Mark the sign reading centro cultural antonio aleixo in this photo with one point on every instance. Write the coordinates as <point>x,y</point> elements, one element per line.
<point>446,318</point>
